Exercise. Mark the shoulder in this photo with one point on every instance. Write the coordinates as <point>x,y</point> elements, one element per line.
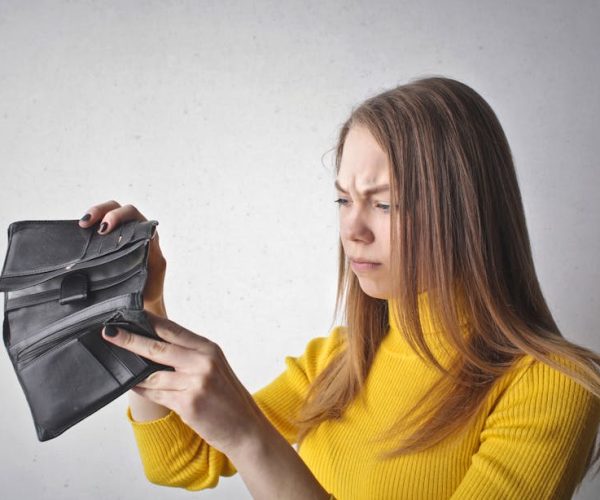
<point>538,436</point>
<point>318,352</point>
<point>531,373</point>
<point>544,390</point>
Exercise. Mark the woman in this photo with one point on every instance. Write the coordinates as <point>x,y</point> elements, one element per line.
<point>450,378</point>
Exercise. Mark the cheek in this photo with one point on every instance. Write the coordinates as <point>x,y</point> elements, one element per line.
<point>383,231</point>
<point>385,239</point>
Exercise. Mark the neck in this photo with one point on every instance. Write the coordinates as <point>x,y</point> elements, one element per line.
<point>396,340</point>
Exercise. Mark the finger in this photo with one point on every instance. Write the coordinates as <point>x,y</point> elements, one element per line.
<point>117,216</point>
<point>155,350</point>
<point>176,334</point>
<point>97,212</point>
<point>166,381</point>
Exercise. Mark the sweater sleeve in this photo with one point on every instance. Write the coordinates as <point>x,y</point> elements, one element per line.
<point>536,440</point>
<point>173,454</point>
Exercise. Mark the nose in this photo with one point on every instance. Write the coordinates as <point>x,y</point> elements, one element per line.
<point>354,226</point>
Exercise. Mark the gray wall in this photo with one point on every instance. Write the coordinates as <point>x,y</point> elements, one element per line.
<point>213,118</point>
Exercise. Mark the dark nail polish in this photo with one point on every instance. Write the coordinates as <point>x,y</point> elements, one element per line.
<point>103,227</point>
<point>111,330</point>
<point>86,217</point>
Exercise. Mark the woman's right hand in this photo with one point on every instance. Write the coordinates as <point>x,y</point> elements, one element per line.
<point>111,212</point>
<point>114,214</point>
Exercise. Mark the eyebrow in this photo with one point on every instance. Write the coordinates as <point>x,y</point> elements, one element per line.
<point>366,192</point>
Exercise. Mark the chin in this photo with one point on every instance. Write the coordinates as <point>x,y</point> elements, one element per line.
<point>376,294</point>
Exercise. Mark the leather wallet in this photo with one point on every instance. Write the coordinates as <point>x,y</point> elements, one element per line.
<point>62,284</point>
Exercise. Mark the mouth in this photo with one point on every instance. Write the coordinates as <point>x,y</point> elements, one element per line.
<point>359,261</point>
<point>363,266</point>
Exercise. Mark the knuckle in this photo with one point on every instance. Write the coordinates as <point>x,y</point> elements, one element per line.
<point>157,347</point>
<point>132,208</point>
<point>214,350</point>
<point>176,330</point>
<point>211,366</point>
<point>172,331</point>
<point>126,338</point>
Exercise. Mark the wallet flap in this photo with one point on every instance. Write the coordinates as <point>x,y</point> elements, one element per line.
<point>40,250</point>
<point>40,246</point>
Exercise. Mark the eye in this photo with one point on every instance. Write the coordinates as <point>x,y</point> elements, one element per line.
<point>385,208</point>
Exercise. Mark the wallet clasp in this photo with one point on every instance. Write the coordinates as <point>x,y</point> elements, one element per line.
<point>73,287</point>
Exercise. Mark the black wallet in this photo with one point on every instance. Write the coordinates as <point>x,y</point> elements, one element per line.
<point>62,284</point>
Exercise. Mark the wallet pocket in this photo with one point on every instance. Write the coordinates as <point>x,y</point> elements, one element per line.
<point>33,350</point>
<point>57,332</point>
<point>64,382</point>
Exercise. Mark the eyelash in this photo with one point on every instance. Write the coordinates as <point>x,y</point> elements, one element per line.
<point>385,208</point>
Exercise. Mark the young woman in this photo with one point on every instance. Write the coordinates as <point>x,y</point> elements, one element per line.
<point>449,377</point>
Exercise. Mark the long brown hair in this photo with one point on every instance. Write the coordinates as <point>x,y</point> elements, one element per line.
<point>452,177</point>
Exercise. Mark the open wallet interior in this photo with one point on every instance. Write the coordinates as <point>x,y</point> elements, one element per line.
<point>62,284</point>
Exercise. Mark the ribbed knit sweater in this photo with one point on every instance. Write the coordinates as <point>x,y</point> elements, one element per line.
<point>530,441</point>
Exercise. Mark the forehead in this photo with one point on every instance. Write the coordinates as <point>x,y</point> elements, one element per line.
<point>363,161</point>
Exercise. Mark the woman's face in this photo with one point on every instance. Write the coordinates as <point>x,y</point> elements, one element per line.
<point>365,217</point>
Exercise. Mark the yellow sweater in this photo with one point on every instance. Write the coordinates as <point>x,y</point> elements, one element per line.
<point>530,441</point>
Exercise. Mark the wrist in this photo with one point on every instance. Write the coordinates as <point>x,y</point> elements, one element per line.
<point>255,443</point>
<point>271,468</point>
<point>144,410</point>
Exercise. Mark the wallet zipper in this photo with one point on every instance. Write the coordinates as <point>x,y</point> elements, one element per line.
<point>34,352</point>
<point>47,343</point>
<point>40,297</point>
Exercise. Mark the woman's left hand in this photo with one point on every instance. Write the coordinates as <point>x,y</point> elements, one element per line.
<point>203,390</point>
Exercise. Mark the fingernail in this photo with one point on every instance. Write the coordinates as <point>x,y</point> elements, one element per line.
<point>86,217</point>
<point>111,330</point>
<point>103,227</point>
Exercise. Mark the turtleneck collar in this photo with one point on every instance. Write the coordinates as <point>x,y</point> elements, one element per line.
<point>395,340</point>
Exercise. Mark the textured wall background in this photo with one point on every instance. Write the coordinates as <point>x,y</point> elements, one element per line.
<point>217,118</point>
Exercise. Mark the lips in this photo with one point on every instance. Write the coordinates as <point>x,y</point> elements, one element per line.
<point>360,261</point>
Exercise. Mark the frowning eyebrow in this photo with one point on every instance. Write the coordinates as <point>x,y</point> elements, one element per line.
<point>366,192</point>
